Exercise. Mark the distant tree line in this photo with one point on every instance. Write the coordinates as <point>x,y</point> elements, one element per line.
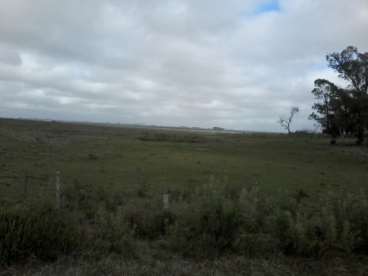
<point>343,110</point>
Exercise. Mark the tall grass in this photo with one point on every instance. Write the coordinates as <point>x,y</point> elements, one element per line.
<point>213,220</point>
<point>36,230</point>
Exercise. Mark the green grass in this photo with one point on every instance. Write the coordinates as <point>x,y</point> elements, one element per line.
<point>124,162</point>
<point>232,195</point>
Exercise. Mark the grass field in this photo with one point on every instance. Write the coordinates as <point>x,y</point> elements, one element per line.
<point>105,170</point>
<point>127,159</point>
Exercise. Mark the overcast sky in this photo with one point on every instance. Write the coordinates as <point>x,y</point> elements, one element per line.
<point>236,64</point>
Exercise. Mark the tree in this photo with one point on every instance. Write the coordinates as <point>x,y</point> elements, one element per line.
<point>286,123</point>
<point>352,66</point>
<point>344,110</point>
<point>326,94</point>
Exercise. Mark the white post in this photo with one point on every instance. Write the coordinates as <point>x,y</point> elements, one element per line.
<point>58,190</point>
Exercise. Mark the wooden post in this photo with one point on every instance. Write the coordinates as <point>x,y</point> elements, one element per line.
<point>58,190</point>
<point>166,202</point>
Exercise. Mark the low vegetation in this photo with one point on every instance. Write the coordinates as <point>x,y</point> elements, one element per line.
<point>160,136</point>
<point>277,203</point>
<point>212,223</point>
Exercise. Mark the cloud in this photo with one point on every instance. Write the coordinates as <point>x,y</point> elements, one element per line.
<point>236,64</point>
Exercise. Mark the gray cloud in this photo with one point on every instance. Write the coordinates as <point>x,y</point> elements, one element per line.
<point>177,62</point>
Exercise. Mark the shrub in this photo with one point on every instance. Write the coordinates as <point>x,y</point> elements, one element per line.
<point>92,156</point>
<point>147,219</point>
<point>212,220</point>
<point>40,231</point>
<point>335,221</point>
<point>171,137</point>
<point>215,223</point>
<point>207,226</point>
<point>110,234</point>
<point>258,220</point>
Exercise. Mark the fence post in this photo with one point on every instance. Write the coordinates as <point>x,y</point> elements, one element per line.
<point>166,201</point>
<point>58,190</point>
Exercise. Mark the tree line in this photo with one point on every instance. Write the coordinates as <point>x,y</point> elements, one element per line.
<point>343,110</point>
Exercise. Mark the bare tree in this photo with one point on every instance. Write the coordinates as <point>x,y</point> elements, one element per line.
<point>286,123</point>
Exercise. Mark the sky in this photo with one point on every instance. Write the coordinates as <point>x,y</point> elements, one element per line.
<point>237,64</point>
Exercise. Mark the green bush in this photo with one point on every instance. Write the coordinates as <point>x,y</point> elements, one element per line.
<point>147,219</point>
<point>335,221</point>
<point>258,224</point>
<point>110,234</point>
<point>214,220</point>
<point>88,199</point>
<point>207,226</point>
<point>175,137</point>
<point>38,230</point>
<point>215,223</point>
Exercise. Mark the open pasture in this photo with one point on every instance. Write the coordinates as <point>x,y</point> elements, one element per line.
<point>136,160</point>
<point>103,199</point>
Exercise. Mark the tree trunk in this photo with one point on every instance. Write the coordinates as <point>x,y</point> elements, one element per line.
<point>360,136</point>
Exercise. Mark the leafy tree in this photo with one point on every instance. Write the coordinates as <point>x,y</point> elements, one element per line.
<point>344,111</point>
<point>286,123</point>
